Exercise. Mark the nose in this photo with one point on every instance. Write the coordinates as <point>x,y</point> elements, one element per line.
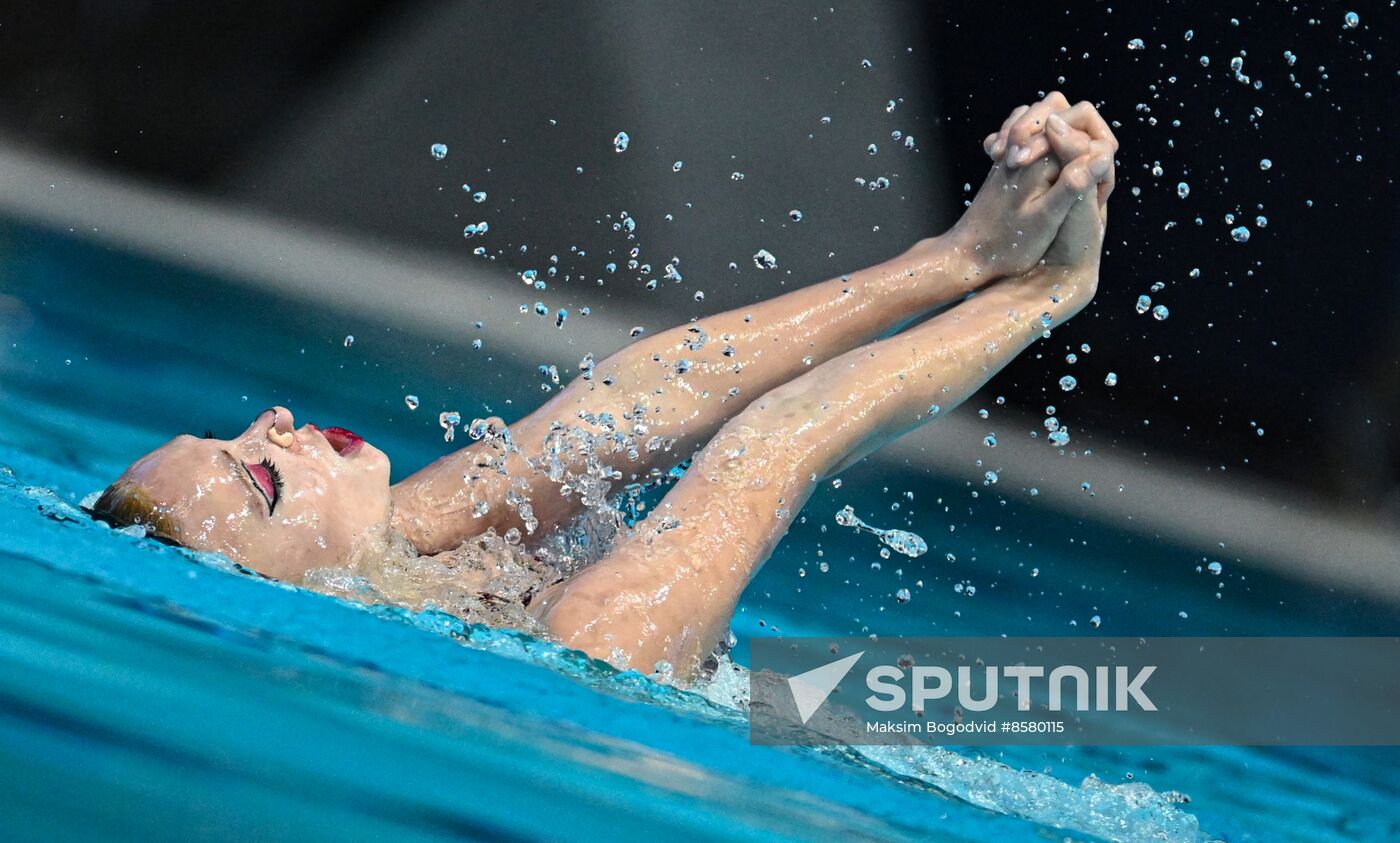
<point>280,433</point>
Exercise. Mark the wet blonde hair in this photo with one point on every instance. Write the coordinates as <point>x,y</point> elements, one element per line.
<point>124,504</point>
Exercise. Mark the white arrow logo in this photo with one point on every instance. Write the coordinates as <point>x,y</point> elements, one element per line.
<point>810,689</point>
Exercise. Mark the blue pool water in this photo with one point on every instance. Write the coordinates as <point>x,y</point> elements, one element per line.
<point>148,693</point>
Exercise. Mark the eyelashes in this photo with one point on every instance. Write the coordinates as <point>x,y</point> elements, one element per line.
<point>208,434</point>
<point>276,475</point>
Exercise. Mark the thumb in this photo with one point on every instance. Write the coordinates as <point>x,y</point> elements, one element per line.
<point>1076,180</point>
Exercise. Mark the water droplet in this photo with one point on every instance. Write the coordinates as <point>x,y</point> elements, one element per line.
<point>872,149</point>
<point>676,167</point>
<point>1136,44</point>
<point>411,401</point>
<point>1183,189</point>
<point>763,259</point>
<point>1144,304</point>
<point>621,141</point>
<point>1160,313</point>
<point>1096,621</point>
<point>439,150</point>
<point>1068,383</point>
<point>865,63</point>
<point>933,409</point>
<point>448,421</point>
<point>736,176</point>
<point>479,197</point>
<point>795,215</point>
<point>1240,234</point>
<point>1351,20</point>
<point>1110,379</point>
<point>349,340</point>
<point>1265,163</point>
<point>903,595</point>
<point>1215,568</point>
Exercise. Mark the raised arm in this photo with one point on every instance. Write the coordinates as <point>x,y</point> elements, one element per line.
<point>668,588</point>
<point>652,404</point>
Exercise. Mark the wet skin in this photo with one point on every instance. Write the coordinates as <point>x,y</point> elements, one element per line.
<point>1028,246</point>
<point>276,499</point>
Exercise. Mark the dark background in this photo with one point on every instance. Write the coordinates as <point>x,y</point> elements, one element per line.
<point>324,112</point>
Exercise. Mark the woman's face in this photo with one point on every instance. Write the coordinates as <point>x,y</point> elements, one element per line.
<point>276,499</point>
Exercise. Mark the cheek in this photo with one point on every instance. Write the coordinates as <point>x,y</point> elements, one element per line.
<point>317,522</point>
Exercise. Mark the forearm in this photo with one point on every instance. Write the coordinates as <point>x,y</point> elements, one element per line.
<point>851,406</point>
<point>690,379</point>
<point>653,403</point>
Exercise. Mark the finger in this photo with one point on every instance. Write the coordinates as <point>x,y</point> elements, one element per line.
<point>1040,143</point>
<point>1067,142</point>
<point>1033,179</point>
<point>1104,149</point>
<point>1076,181</point>
<point>1106,187</point>
<point>1084,117</point>
<point>1084,224</point>
<point>989,143</point>
<point>1024,141</point>
<point>999,148</point>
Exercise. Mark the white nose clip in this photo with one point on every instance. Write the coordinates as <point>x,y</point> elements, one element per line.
<point>283,440</point>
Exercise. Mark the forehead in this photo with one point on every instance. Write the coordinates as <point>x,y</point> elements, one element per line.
<point>182,467</point>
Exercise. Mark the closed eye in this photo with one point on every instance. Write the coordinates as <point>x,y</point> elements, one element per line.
<point>267,480</point>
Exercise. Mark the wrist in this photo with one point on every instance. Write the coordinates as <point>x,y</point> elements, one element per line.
<point>955,254</point>
<point>1061,291</point>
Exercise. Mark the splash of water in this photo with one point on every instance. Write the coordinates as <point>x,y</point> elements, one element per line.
<point>902,541</point>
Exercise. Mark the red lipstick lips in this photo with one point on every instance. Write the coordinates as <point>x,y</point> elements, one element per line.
<point>343,441</point>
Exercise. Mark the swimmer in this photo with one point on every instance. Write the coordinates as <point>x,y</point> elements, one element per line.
<point>768,400</point>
